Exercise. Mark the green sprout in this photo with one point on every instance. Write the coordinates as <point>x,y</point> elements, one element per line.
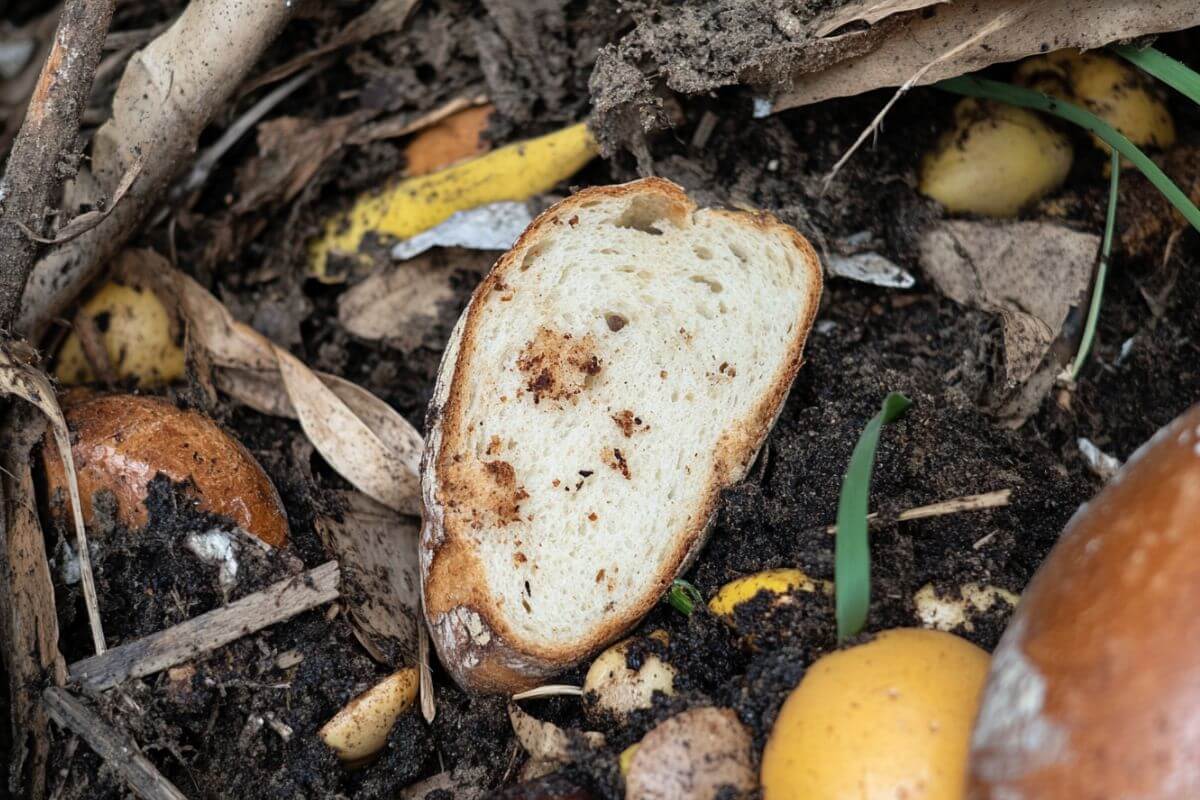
<point>1089,328</point>
<point>684,597</point>
<point>852,554</point>
<point>1184,80</point>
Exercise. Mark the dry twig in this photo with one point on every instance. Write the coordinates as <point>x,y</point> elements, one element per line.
<point>167,95</point>
<point>207,632</point>
<point>971,502</point>
<point>43,153</point>
<point>119,751</point>
<point>28,618</point>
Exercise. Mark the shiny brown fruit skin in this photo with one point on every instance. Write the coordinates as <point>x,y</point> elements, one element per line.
<point>122,441</point>
<point>1094,691</point>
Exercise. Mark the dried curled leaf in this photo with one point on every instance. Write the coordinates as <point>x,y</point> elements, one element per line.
<point>548,745</point>
<point>377,551</point>
<point>29,383</point>
<point>362,437</point>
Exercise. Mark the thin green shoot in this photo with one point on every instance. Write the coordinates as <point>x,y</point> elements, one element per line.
<point>1028,98</point>
<point>1157,63</point>
<point>684,597</point>
<point>1110,222</point>
<point>852,554</point>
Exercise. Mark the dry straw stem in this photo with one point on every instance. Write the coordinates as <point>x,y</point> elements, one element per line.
<point>1001,20</point>
<point>120,753</point>
<point>45,148</point>
<point>549,690</point>
<point>970,502</point>
<point>167,95</point>
<point>207,632</point>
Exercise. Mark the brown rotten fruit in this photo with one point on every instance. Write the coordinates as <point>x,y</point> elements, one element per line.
<point>122,441</point>
<point>1094,689</point>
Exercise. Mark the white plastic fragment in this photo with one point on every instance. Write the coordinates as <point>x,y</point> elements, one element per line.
<point>1098,461</point>
<point>869,268</point>
<point>216,547</point>
<point>495,226</point>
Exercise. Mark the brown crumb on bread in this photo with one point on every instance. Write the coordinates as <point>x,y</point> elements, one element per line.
<point>613,457</point>
<point>484,492</point>
<point>629,423</point>
<point>558,366</point>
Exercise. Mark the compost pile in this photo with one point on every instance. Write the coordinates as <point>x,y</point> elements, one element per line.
<point>680,91</point>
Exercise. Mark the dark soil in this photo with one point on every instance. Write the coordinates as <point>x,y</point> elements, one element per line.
<point>243,721</point>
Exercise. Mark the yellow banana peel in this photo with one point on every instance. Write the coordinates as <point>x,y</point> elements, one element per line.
<point>515,172</point>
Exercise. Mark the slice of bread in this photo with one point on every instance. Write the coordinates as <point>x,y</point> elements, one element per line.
<point>616,369</point>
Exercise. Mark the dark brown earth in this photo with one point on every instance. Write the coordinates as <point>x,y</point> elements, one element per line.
<point>209,727</point>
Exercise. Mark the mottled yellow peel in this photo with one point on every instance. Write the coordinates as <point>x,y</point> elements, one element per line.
<point>135,328</point>
<point>775,581</point>
<point>515,172</point>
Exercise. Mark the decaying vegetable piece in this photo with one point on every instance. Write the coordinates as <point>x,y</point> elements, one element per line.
<point>888,718</point>
<point>1093,689</point>
<point>361,728</point>
<point>128,329</point>
<point>1110,88</point>
<point>123,441</point>
<point>613,686</point>
<point>945,612</point>
<point>514,172</point>
<point>702,754</point>
<point>773,581</point>
<point>998,160</point>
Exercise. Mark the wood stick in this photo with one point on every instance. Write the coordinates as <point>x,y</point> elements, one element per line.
<point>971,502</point>
<point>44,151</point>
<point>119,751</point>
<point>204,633</point>
<point>28,619</point>
<point>167,95</point>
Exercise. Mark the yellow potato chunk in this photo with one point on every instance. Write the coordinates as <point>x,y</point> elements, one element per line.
<point>887,719</point>
<point>360,730</point>
<point>135,328</point>
<point>998,160</point>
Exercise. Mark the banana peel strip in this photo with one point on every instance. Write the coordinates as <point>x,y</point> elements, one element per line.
<point>359,435</point>
<point>515,172</point>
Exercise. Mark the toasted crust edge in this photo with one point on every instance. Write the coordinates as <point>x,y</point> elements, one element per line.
<point>474,643</point>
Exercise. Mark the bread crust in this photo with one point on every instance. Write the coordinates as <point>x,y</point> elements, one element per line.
<point>474,642</point>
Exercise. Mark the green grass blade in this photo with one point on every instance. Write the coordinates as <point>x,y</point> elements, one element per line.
<point>852,556</point>
<point>1028,98</point>
<point>1110,222</point>
<point>1171,72</point>
<point>684,597</point>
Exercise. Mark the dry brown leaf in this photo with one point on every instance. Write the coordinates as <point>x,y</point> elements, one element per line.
<point>29,383</point>
<point>377,551</point>
<point>869,12</point>
<point>382,17</point>
<point>351,446</point>
<point>361,437</point>
<point>405,305</point>
<point>548,745</point>
<point>1031,274</point>
<point>77,226</point>
<point>290,151</point>
<point>922,34</point>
